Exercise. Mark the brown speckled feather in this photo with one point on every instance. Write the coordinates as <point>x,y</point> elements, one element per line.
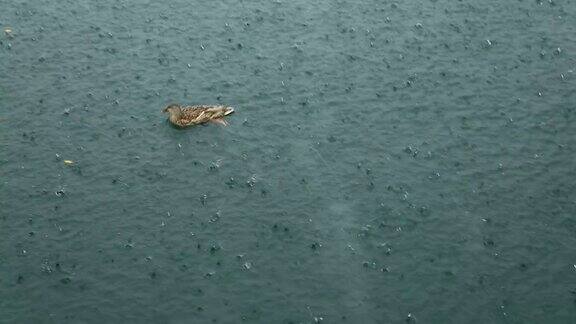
<point>194,115</point>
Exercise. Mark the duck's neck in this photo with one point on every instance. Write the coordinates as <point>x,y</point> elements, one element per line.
<point>175,115</point>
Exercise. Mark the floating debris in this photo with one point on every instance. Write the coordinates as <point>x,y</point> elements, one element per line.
<point>68,162</point>
<point>8,32</point>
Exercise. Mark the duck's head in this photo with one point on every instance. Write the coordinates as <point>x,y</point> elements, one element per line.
<point>171,108</point>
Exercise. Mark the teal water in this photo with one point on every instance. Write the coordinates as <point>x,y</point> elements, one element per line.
<point>388,162</point>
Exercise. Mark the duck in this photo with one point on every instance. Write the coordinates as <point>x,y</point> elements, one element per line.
<point>194,115</point>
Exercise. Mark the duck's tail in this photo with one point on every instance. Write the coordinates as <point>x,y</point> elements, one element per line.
<point>228,111</point>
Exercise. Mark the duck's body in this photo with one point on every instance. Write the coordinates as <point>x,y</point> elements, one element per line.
<point>194,115</point>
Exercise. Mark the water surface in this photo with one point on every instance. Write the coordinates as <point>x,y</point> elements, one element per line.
<point>387,162</point>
